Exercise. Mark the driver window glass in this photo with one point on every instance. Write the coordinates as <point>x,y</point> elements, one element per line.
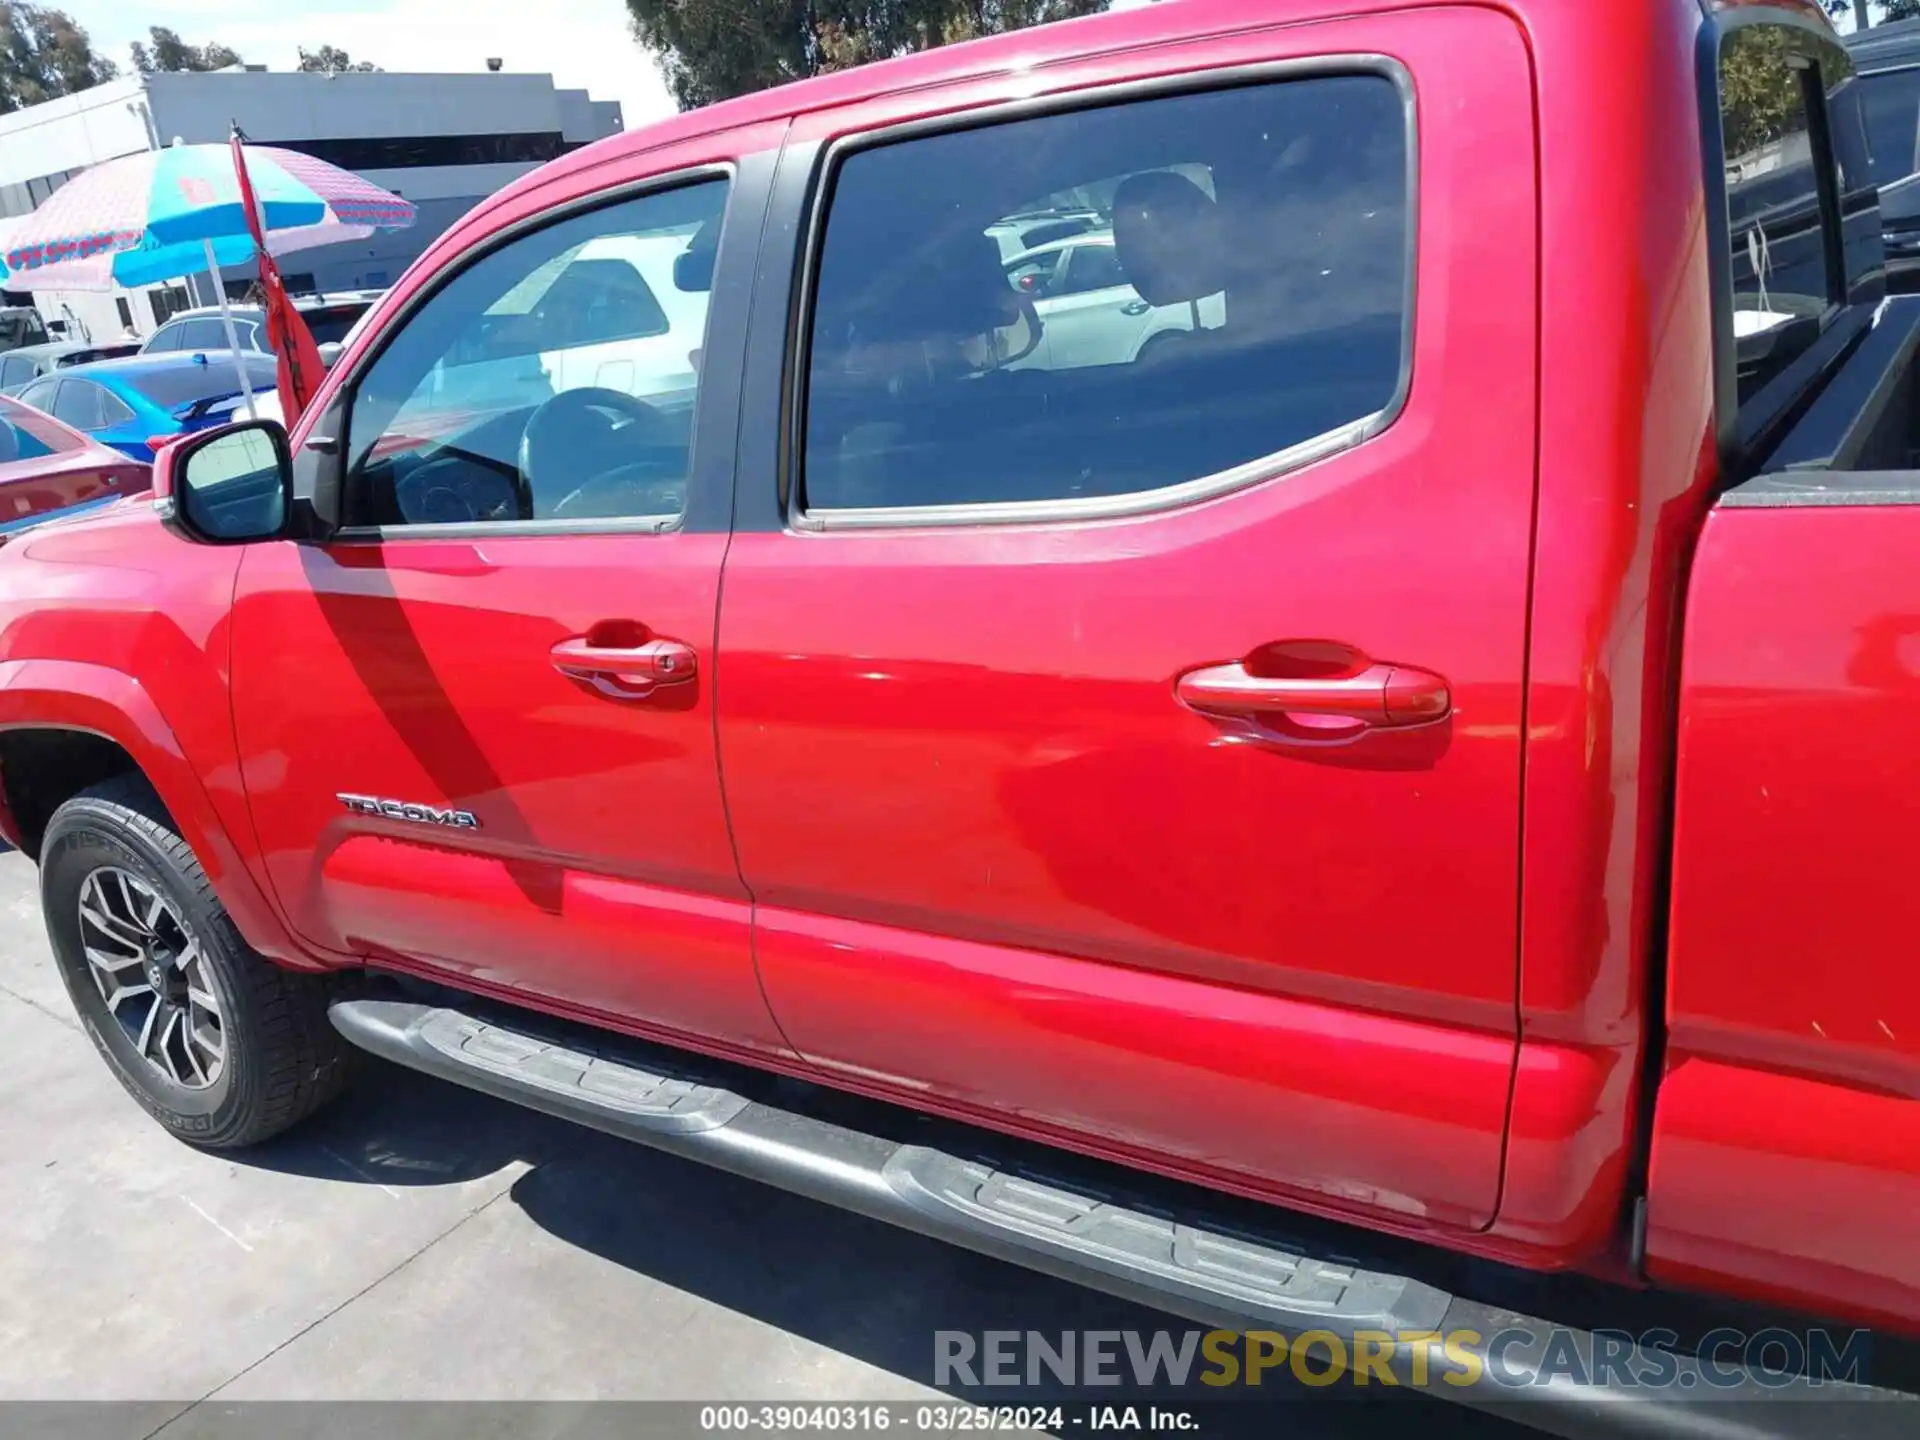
<point>553,379</point>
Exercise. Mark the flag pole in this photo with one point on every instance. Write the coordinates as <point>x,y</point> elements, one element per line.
<point>233,338</point>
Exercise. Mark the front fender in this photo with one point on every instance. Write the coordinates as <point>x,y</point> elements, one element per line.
<point>76,695</point>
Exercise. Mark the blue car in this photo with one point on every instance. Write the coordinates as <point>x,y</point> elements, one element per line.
<point>130,402</point>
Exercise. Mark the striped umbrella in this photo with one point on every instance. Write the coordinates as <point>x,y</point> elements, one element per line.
<point>161,214</point>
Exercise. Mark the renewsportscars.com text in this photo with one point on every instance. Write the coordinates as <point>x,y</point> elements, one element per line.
<point>1517,1358</point>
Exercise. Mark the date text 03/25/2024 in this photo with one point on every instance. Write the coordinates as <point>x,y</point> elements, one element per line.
<point>953,1416</point>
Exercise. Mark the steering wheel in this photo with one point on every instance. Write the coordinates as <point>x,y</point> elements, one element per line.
<point>451,491</point>
<point>583,438</point>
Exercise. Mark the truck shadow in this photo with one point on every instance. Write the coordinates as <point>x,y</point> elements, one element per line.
<point>867,1290</point>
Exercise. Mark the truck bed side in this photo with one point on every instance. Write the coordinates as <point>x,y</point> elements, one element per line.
<point>1786,1159</point>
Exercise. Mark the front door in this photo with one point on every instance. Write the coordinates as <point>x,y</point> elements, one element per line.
<point>1128,750</point>
<point>477,728</point>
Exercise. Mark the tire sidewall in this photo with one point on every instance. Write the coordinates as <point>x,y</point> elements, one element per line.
<point>89,835</point>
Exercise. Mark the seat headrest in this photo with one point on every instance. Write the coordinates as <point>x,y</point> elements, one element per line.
<point>693,267</point>
<point>952,292</point>
<point>1167,235</point>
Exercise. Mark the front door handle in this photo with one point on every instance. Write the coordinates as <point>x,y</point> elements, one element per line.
<point>1377,696</point>
<point>625,672</point>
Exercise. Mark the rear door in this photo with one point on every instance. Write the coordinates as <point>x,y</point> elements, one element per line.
<point>476,727</point>
<point>1129,752</point>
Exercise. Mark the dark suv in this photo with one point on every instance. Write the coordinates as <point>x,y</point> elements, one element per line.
<point>1888,61</point>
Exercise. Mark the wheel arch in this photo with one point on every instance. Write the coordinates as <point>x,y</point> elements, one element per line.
<point>66,725</point>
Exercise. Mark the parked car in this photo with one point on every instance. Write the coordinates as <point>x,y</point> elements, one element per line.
<point>1029,229</point>
<point>138,400</point>
<point>1424,764</point>
<point>1090,313</point>
<point>30,362</point>
<point>1888,61</point>
<point>21,325</point>
<point>329,317</point>
<point>49,471</point>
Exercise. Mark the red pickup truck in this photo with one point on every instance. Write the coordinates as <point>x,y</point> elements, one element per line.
<point>1320,601</point>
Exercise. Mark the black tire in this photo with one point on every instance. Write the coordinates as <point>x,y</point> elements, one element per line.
<point>282,1059</point>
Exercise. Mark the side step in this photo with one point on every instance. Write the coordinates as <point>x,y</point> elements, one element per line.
<point>1212,1274</point>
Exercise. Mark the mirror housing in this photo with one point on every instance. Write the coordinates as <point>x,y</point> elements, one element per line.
<point>231,486</point>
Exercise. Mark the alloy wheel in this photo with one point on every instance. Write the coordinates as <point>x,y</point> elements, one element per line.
<point>152,974</point>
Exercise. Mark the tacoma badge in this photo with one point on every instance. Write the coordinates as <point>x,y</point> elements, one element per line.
<point>401,810</point>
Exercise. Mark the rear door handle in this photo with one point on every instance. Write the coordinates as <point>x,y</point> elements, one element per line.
<point>625,672</point>
<point>1381,696</point>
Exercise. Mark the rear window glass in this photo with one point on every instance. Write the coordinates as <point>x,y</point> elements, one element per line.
<point>1246,291</point>
<point>1781,284</point>
<point>176,385</point>
<point>328,326</point>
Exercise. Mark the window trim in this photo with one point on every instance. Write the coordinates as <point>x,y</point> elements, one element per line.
<point>341,400</point>
<point>1270,466</point>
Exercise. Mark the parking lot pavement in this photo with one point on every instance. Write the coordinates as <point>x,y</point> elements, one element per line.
<point>419,1242</point>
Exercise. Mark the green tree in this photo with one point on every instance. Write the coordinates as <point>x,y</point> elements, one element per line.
<point>1867,12</point>
<point>331,60</point>
<point>1760,95</point>
<point>713,49</point>
<point>44,54</point>
<point>170,53</point>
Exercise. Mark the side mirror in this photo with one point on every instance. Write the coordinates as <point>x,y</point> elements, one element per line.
<point>228,486</point>
<point>329,352</point>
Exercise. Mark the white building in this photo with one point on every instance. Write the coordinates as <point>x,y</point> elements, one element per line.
<point>441,141</point>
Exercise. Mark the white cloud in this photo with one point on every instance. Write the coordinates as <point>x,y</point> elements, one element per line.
<point>581,43</point>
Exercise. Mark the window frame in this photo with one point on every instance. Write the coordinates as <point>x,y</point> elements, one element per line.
<point>342,400</point>
<point>1271,466</point>
<point>1745,433</point>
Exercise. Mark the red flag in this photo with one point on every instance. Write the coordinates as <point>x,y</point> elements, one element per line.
<point>299,367</point>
